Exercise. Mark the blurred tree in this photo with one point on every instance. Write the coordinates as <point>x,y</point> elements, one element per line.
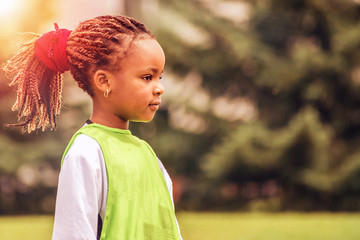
<point>263,103</point>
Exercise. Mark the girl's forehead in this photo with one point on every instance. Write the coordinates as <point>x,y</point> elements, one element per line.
<point>144,51</point>
<point>147,45</point>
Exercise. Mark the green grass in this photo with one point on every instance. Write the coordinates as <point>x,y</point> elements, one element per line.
<point>219,226</point>
<point>289,226</point>
<point>26,228</point>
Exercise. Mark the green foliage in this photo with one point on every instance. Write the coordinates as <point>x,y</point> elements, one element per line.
<point>298,64</point>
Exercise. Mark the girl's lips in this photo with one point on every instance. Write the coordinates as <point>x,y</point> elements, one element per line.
<point>154,105</point>
<point>155,102</point>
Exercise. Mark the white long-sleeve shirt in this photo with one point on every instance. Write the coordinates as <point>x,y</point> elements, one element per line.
<point>82,191</point>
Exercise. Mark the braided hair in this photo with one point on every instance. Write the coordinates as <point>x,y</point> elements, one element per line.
<point>97,43</point>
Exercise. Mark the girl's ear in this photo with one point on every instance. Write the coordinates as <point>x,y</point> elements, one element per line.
<point>101,81</point>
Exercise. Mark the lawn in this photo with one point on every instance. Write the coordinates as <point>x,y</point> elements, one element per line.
<point>219,226</point>
<point>288,226</point>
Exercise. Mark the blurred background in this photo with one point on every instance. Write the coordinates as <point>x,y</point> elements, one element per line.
<point>261,110</point>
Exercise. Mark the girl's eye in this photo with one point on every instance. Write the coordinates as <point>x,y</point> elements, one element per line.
<point>147,78</point>
<point>161,76</point>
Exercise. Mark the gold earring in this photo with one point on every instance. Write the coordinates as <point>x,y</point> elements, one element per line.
<point>106,94</point>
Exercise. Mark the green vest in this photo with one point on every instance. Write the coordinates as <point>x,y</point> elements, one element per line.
<point>138,201</point>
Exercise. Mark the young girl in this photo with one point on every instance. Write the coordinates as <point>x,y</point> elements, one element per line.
<point>111,184</point>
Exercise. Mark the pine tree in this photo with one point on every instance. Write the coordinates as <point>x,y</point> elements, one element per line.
<point>265,107</point>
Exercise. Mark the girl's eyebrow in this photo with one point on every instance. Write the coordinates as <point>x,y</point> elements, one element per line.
<point>155,70</point>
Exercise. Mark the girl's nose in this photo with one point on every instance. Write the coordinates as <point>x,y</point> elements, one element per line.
<point>159,89</point>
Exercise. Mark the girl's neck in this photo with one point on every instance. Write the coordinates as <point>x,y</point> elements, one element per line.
<point>113,123</point>
<point>109,120</point>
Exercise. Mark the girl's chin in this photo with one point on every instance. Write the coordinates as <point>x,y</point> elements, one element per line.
<point>143,120</point>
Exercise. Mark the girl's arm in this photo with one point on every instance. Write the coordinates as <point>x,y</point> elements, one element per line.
<point>80,195</point>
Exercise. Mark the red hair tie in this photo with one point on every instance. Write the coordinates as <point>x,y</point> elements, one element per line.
<point>50,49</point>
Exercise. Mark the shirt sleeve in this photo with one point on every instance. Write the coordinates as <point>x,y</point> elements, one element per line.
<point>170,189</point>
<point>80,191</point>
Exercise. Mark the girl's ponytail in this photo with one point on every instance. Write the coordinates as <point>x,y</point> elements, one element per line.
<point>36,70</point>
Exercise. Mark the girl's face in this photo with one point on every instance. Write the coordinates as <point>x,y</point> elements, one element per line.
<point>136,89</point>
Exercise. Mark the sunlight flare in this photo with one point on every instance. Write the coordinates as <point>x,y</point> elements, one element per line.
<point>7,7</point>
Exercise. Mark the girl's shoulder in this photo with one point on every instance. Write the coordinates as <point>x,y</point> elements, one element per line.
<point>85,141</point>
<point>84,148</point>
